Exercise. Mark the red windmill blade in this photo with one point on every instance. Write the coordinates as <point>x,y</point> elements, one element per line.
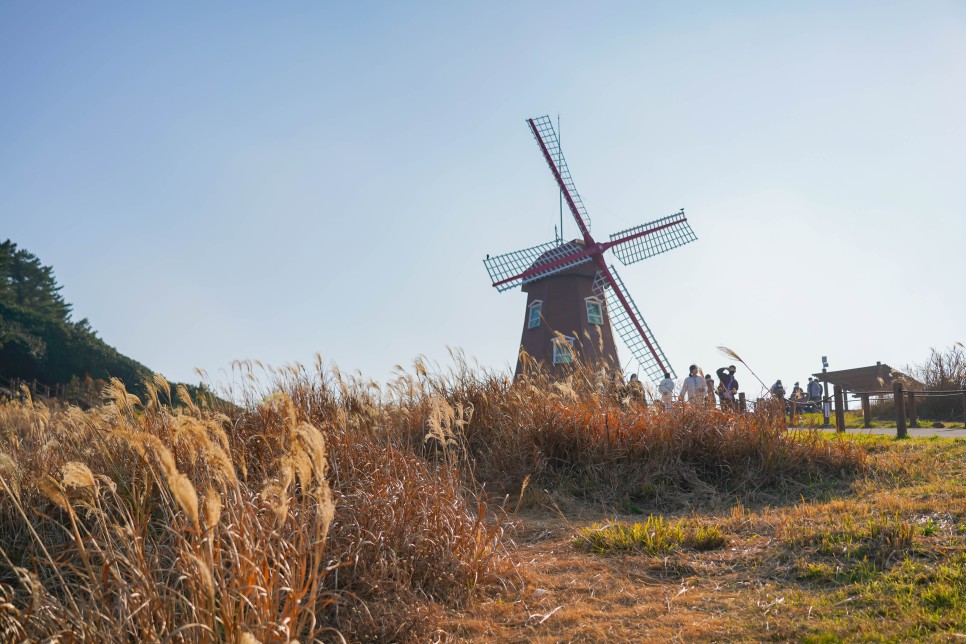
<point>546,136</point>
<point>580,275</point>
<point>627,321</point>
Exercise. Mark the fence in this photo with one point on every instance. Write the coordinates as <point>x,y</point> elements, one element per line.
<point>905,406</point>
<point>82,393</point>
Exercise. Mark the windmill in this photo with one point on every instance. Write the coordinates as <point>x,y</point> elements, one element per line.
<point>575,300</point>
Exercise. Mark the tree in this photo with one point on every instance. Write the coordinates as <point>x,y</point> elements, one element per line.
<point>28,285</point>
<point>38,340</point>
<point>943,371</point>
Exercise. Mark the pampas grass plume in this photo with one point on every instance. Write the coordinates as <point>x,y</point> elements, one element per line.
<point>10,474</point>
<point>78,475</point>
<point>185,495</point>
<point>211,508</point>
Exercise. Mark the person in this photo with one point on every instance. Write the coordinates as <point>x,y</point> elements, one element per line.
<point>709,388</point>
<point>795,400</point>
<point>778,389</point>
<point>814,390</point>
<point>617,388</point>
<point>693,386</point>
<point>666,389</point>
<point>635,390</point>
<point>727,387</point>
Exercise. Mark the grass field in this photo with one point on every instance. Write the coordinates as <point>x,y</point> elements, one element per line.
<point>880,557</point>
<point>460,505</point>
<point>855,420</point>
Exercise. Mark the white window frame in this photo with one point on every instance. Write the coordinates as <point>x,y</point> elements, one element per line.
<point>588,301</point>
<point>561,356</point>
<point>533,321</point>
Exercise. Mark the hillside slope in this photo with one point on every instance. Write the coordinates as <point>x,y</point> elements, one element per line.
<point>39,340</point>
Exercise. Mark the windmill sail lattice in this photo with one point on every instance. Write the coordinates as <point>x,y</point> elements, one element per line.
<point>508,270</point>
<point>645,349</point>
<point>652,239</point>
<point>546,137</point>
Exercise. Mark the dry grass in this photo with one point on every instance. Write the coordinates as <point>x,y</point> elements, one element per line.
<point>144,521</point>
<point>881,557</point>
<point>326,506</point>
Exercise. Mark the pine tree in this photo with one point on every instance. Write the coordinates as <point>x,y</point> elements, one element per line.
<point>38,340</point>
<point>28,285</point>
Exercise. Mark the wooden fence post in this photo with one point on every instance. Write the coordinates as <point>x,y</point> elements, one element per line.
<point>964,410</point>
<point>742,405</point>
<point>900,401</point>
<point>913,416</point>
<point>839,410</point>
<point>866,411</point>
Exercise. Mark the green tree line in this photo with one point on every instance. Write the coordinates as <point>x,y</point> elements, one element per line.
<point>39,340</point>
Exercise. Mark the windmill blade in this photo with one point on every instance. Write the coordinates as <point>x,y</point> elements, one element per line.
<point>659,236</point>
<point>546,137</point>
<point>530,264</point>
<point>626,320</point>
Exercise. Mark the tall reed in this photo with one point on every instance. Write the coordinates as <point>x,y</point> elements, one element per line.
<point>321,505</point>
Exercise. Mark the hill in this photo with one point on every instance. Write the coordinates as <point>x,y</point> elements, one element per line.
<point>39,340</point>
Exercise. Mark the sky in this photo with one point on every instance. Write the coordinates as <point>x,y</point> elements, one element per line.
<point>250,180</point>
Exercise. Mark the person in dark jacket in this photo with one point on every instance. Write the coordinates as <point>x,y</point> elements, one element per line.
<point>778,389</point>
<point>727,387</point>
<point>814,390</point>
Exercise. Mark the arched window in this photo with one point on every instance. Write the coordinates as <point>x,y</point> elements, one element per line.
<point>533,317</point>
<point>595,314</point>
<point>563,349</point>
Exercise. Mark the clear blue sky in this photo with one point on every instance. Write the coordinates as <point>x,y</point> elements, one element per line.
<point>222,181</point>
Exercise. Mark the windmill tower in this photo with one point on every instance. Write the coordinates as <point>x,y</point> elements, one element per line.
<point>575,301</point>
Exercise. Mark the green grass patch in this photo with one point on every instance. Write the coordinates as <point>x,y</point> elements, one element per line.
<point>916,599</point>
<point>856,420</point>
<point>888,561</point>
<point>877,541</point>
<point>655,536</point>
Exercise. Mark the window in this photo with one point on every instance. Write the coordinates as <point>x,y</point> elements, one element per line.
<point>533,317</point>
<point>594,313</point>
<point>563,349</point>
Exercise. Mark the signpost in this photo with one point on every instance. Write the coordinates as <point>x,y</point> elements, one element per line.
<point>826,405</point>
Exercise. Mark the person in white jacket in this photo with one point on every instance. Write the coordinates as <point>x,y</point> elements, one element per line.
<point>694,387</point>
<point>666,389</point>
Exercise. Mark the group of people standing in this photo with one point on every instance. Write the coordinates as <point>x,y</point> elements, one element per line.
<point>700,389</point>
<point>812,392</point>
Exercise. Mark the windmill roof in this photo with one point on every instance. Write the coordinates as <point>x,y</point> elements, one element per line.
<point>585,268</point>
<point>878,377</point>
